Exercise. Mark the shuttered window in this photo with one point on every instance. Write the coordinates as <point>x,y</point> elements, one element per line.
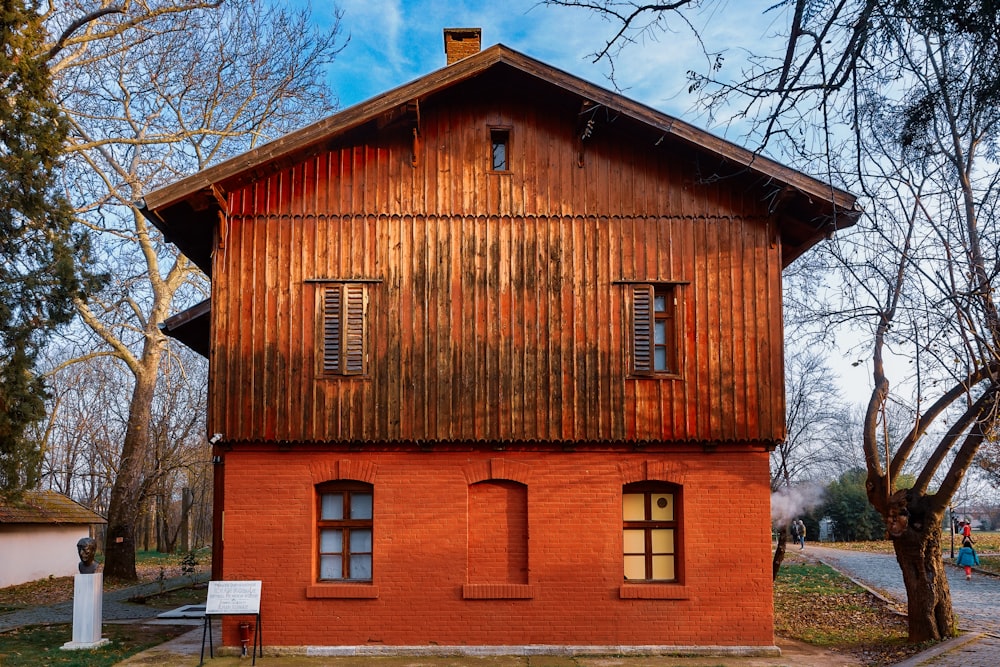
<point>343,313</point>
<point>654,330</point>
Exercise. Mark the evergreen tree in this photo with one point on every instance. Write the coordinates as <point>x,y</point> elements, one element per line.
<point>847,504</point>
<point>39,248</point>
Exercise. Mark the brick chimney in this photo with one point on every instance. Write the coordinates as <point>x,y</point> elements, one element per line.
<point>461,42</point>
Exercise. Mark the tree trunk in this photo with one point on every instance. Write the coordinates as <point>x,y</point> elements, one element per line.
<point>162,530</point>
<point>127,492</point>
<point>147,530</point>
<point>779,552</point>
<point>187,499</point>
<point>119,550</point>
<point>928,596</point>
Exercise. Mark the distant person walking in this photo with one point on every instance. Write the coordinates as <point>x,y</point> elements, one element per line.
<point>966,530</point>
<point>967,557</point>
<point>799,532</point>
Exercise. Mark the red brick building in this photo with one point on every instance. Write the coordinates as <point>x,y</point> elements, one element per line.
<point>496,362</point>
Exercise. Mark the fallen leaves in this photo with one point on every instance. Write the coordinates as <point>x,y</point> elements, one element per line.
<point>815,605</point>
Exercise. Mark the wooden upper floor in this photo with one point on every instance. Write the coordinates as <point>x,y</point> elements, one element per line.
<point>496,253</point>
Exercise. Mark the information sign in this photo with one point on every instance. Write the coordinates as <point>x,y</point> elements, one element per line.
<point>233,597</point>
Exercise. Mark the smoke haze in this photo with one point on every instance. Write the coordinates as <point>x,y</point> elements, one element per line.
<point>791,503</point>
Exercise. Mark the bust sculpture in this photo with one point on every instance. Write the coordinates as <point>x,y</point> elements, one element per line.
<point>87,547</point>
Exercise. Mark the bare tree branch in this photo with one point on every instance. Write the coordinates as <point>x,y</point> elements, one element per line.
<point>76,25</point>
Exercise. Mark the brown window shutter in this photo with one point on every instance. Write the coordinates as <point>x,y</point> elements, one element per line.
<point>354,329</point>
<point>332,317</point>
<point>642,328</point>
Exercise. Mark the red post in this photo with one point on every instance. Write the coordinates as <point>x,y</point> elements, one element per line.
<point>244,637</point>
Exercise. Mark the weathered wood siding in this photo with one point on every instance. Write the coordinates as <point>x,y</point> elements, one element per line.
<point>499,310</point>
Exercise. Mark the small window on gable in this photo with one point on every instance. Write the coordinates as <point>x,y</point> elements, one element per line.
<point>343,335</point>
<point>500,153</point>
<point>654,330</point>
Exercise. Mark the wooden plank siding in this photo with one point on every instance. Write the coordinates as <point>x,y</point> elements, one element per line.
<point>499,306</point>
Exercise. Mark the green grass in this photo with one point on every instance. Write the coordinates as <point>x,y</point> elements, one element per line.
<point>803,579</point>
<point>990,563</point>
<point>40,645</point>
<point>159,558</point>
<point>816,605</point>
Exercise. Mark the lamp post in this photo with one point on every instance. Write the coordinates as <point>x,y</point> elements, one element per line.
<point>951,521</point>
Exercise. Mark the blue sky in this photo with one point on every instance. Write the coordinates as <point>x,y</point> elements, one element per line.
<point>393,42</point>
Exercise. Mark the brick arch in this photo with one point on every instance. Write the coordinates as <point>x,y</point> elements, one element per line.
<point>653,471</point>
<point>328,471</point>
<point>490,469</point>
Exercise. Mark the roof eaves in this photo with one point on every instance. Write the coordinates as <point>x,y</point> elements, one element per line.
<point>47,507</point>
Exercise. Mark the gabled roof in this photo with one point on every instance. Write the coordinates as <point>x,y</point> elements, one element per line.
<point>46,507</point>
<point>186,210</point>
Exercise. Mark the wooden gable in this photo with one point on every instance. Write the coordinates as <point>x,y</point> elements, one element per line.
<point>187,211</point>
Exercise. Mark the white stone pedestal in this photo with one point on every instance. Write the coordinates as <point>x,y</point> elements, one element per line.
<point>88,601</point>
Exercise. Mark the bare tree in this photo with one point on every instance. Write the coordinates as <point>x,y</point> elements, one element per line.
<point>182,458</point>
<point>988,462</point>
<point>922,265</point>
<point>901,98</point>
<point>815,418</point>
<point>816,422</point>
<point>154,91</point>
<point>83,431</point>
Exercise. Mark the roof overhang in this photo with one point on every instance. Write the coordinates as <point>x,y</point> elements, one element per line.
<point>43,506</point>
<point>191,327</point>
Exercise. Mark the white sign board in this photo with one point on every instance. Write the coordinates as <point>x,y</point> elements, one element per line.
<point>233,597</point>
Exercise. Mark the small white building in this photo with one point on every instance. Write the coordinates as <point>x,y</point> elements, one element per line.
<point>38,536</point>
<point>826,525</point>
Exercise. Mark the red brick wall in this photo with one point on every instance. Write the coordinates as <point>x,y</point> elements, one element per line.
<point>461,43</point>
<point>498,533</point>
<point>574,592</point>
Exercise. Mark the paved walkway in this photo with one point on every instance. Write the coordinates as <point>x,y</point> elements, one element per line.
<point>115,606</point>
<point>976,603</point>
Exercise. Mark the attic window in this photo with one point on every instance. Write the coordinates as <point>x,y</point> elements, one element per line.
<point>500,153</point>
